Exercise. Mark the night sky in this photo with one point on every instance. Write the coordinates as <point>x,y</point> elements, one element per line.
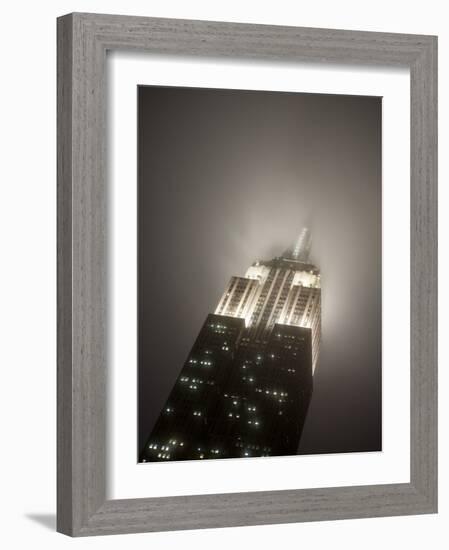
<point>227,177</point>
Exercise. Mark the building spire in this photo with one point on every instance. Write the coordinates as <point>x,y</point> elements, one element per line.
<point>301,249</point>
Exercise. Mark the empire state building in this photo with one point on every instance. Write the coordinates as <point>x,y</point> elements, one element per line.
<point>246,385</point>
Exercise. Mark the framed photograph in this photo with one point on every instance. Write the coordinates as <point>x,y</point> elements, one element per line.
<point>247,282</point>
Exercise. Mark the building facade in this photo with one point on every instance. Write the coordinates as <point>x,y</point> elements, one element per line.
<point>246,385</point>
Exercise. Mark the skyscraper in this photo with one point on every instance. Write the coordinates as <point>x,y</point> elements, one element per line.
<point>246,385</point>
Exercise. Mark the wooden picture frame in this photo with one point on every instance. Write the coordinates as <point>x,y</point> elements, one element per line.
<point>83,40</point>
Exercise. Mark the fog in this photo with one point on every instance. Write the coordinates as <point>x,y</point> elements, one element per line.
<point>228,177</point>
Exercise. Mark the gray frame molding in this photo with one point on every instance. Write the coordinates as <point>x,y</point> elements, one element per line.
<point>83,40</point>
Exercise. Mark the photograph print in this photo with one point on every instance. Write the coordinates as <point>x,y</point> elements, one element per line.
<point>259,274</point>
